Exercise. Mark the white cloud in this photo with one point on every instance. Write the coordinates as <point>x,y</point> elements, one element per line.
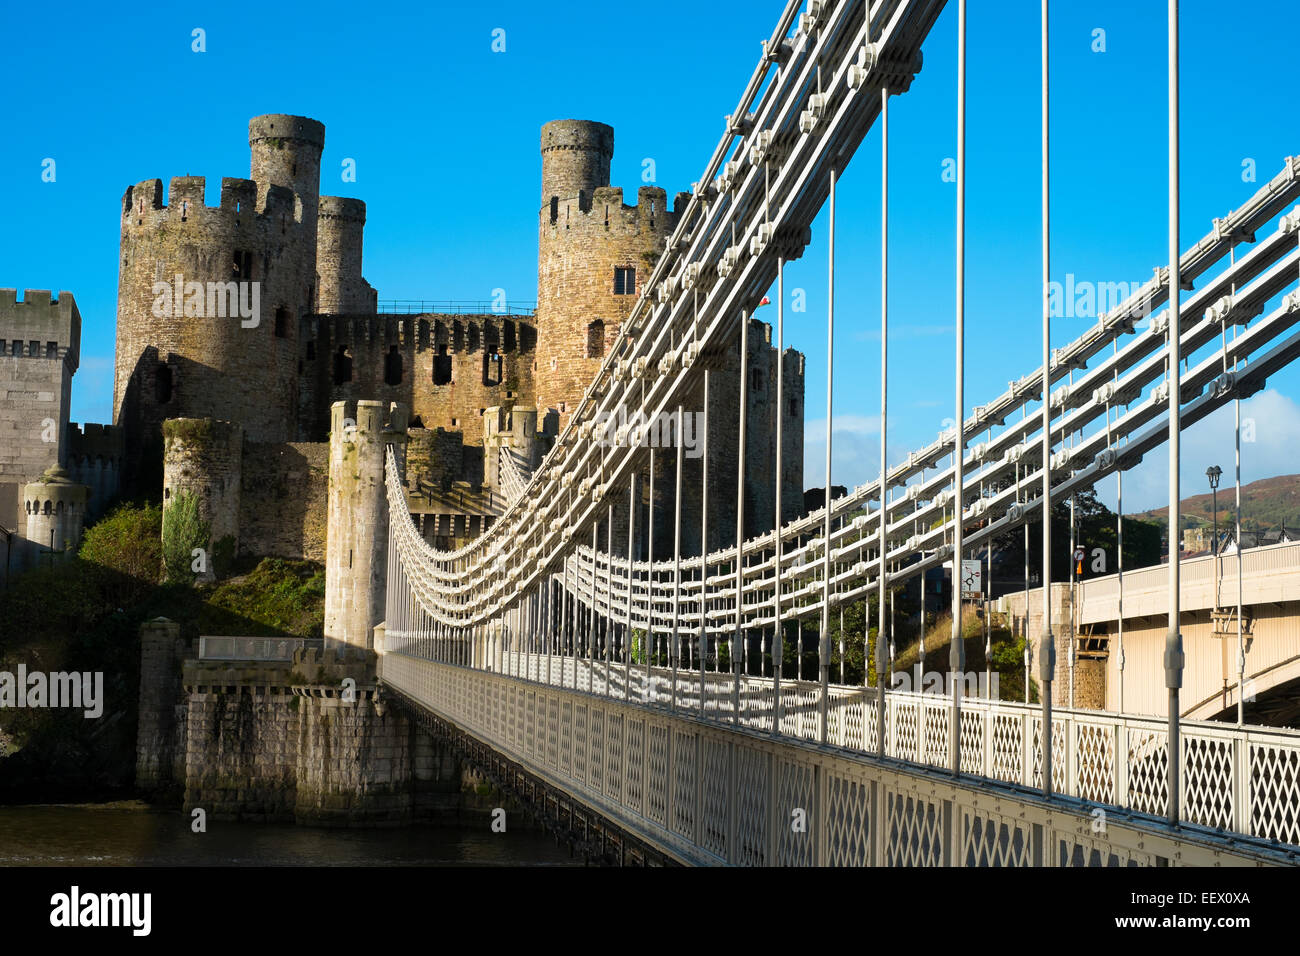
<point>855,451</point>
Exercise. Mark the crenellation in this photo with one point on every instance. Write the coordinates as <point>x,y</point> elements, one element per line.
<point>472,382</point>
<point>239,196</point>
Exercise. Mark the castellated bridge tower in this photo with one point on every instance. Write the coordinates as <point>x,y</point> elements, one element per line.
<point>594,253</point>
<point>209,297</point>
<point>356,559</point>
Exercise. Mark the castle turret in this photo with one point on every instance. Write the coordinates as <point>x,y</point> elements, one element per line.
<point>356,560</point>
<point>575,158</point>
<point>204,458</point>
<point>341,289</point>
<point>594,253</point>
<point>56,511</point>
<point>286,152</point>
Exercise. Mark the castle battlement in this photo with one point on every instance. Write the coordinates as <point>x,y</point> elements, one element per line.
<point>143,204</point>
<point>451,334</point>
<point>341,207</point>
<point>604,209</point>
<point>278,128</point>
<point>92,441</point>
<point>41,317</point>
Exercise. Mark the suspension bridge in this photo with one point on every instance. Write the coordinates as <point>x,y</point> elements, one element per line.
<point>653,692</point>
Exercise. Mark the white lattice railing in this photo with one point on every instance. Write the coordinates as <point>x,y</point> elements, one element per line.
<point>1241,780</point>
<point>709,793</point>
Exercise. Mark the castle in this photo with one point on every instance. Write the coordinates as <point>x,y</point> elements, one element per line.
<point>241,327</point>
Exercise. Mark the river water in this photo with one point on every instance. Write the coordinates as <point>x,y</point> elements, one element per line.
<point>131,834</point>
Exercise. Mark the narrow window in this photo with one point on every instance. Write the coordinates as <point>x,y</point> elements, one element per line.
<point>624,280</point>
<point>33,348</point>
<point>51,349</point>
<point>508,329</point>
<point>595,339</point>
<point>393,367</point>
<point>311,350</point>
<point>473,338</point>
<point>342,366</point>
<point>281,322</point>
<point>756,379</point>
<point>555,209</point>
<point>491,368</point>
<point>162,384</point>
<point>442,367</point>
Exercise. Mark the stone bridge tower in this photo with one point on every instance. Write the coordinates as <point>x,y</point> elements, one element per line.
<point>356,558</point>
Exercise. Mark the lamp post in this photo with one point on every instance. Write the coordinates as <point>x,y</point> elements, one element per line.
<point>1213,473</point>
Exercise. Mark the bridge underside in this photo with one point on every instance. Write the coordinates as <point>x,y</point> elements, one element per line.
<point>708,794</point>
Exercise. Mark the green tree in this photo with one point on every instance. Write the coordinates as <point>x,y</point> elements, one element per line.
<point>126,543</point>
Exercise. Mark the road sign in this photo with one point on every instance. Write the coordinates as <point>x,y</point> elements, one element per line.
<point>972,579</point>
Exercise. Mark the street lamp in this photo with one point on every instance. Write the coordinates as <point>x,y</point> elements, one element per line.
<point>1213,473</point>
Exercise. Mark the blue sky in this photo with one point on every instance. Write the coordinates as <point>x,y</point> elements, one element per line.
<point>444,133</point>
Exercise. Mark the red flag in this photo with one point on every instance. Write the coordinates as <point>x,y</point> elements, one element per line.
<point>766,301</point>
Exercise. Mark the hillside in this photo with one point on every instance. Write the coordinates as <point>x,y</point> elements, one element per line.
<point>1265,504</point>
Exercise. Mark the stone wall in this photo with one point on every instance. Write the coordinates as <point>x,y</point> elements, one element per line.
<point>161,730</point>
<point>308,742</point>
<point>445,368</point>
<point>1031,625</point>
<point>283,500</point>
<point>241,740</point>
<point>96,454</point>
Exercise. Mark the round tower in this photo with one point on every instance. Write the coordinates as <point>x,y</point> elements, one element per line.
<point>209,297</point>
<point>56,512</point>
<point>338,258</point>
<point>204,458</point>
<point>594,253</point>
<point>575,158</point>
<point>356,550</point>
<point>286,152</point>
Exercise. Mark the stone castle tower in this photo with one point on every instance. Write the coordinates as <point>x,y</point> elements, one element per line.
<point>244,324</point>
<point>53,473</point>
<point>593,254</point>
<point>192,276</point>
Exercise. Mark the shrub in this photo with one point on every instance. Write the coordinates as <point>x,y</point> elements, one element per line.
<point>183,530</point>
<point>127,543</point>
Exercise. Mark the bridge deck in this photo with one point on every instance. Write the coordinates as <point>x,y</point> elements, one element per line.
<point>706,792</point>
